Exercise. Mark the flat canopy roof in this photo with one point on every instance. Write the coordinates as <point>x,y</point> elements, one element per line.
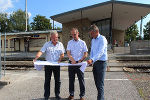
<point>124,13</point>
<point>32,32</point>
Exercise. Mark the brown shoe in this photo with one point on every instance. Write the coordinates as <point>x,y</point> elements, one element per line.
<point>81,98</point>
<point>70,98</point>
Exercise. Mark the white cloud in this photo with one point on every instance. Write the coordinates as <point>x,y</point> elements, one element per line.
<point>29,14</point>
<point>5,4</point>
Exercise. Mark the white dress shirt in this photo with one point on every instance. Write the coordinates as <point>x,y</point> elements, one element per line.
<point>53,52</point>
<point>77,48</point>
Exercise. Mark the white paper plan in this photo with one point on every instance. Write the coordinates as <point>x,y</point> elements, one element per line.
<point>40,64</point>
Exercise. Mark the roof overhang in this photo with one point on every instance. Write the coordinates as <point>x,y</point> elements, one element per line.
<point>124,13</point>
<point>32,33</point>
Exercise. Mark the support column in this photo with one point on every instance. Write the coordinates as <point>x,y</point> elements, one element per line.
<point>141,27</point>
<point>0,58</point>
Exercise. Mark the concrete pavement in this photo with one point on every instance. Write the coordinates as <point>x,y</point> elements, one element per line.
<point>28,85</point>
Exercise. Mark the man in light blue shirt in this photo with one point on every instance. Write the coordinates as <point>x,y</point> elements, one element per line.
<point>54,53</point>
<point>98,58</point>
<point>77,52</point>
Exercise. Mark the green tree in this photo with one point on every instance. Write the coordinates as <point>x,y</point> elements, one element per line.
<point>57,28</point>
<point>18,20</point>
<point>131,33</point>
<point>5,23</point>
<point>41,23</point>
<point>146,31</point>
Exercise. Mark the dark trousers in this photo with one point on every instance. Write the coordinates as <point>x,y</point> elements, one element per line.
<point>48,74</point>
<point>99,69</point>
<point>72,71</point>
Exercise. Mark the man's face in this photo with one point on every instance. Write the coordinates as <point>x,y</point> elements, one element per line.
<point>93,34</point>
<point>74,34</point>
<point>54,38</point>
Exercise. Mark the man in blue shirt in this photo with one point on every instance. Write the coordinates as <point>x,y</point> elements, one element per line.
<point>77,52</point>
<point>98,58</point>
<point>54,53</point>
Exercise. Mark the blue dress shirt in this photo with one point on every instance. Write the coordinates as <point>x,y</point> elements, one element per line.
<point>99,49</point>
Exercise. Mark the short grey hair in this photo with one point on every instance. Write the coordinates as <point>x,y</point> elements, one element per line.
<point>53,32</point>
<point>93,28</point>
<point>74,28</point>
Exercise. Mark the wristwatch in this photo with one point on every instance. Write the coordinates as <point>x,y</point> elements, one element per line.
<point>80,60</point>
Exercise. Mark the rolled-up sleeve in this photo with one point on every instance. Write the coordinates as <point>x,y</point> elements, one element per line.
<point>43,49</point>
<point>62,49</point>
<point>68,46</point>
<point>85,47</point>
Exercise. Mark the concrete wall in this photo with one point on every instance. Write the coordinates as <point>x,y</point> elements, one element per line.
<point>119,36</point>
<point>121,50</point>
<point>140,47</point>
<point>34,48</point>
<point>22,44</point>
<point>66,35</point>
<point>36,43</point>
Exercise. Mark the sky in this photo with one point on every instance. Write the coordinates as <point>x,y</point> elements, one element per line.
<point>52,7</point>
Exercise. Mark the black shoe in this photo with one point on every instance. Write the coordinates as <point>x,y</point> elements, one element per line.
<point>71,97</point>
<point>46,98</point>
<point>58,97</point>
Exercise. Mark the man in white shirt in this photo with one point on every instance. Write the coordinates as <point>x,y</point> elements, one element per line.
<point>54,53</point>
<point>77,52</point>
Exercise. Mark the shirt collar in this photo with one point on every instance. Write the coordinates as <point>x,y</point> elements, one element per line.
<point>77,40</point>
<point>98,36</point>
<point>52,43</point>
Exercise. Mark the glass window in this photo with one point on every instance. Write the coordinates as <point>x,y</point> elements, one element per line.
<point>104,28</point>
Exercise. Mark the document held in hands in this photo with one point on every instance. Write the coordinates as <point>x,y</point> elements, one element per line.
<point>38,65</point>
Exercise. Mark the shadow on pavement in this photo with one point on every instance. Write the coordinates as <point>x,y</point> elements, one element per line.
<point>53,98</point>
<point>2,84</point>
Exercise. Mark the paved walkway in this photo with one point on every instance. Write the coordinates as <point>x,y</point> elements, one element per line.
<point>28,85</point>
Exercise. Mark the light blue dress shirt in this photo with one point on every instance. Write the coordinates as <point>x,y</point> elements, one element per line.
<point>52,52</point>
<point>77,48</point>
<point>99,49</point>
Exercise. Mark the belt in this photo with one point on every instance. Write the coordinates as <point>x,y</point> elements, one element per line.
<point>100,61</point>
<point>70,61</point>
